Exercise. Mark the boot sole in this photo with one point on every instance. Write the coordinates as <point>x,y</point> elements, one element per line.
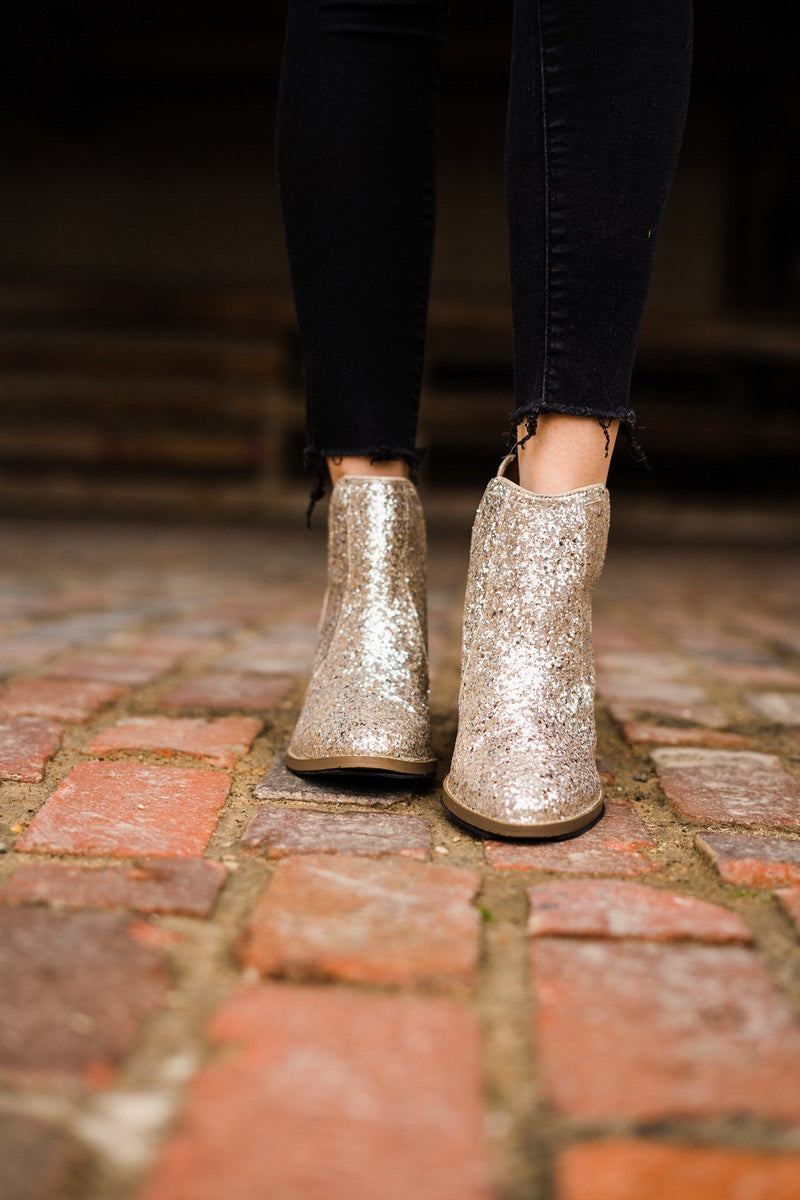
<point>491,825</point>
<point>348,764</point>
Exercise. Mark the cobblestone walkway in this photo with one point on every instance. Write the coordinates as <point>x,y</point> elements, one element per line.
<point>218,982</point>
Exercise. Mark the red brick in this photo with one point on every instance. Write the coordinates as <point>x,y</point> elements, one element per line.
<point>708,715</point>
<point>221,740</point>
<point>640,732</point>
<point>174,646</point>
<point>626,670</point>
<point>38,1160</point>
<point>752,861</point>
<point>188,886</point>
<point>781,707</point>
<point>610,908</point>
<point>625,1169</point>
<point>789,898</point>
<point>69,699</point>
<point>612,846</point>
<point>245,692</point>
<point>20,653</point>
<point>755,674</point>
<point>25,744</point>
<point>282,831</point>
<point>382,921</point>
<point>280,784</point>
<point>134,669</point>
<point>285,649</point>
<point>649,1032</point>
<point>324,1094</point>
<point>127,809</point>
<point>610,634</point>
<point>74,988</point>
<point>732,786</point>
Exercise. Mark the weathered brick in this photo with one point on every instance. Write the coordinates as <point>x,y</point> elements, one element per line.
<point>68,699</point>
<point>627,1169</point>
<point>789,898</point>
<point>642,732</point>
<point>624,669</point>
<point>127,809</point>
<point>364,1096</point>
<point>280,784</point>
<point>610,908</point>
<point>282,831</point>
<point>188,886</point>
<point>74,988</point>
<point>22,652</point>
<point>733,786</point>
<point>754,674</point>
<point>649,1032</point>
<point>608,633</point>
<point>752,861</point>
<point>612,846</point>
<point>220,740</point>
<point>781,707</point>
<point>247,692</point>
<point>385,921</point>
<point>708,715</point>
<point>134,669</point>
<point>286,649</point>
<point>25,744</point>
<point>38,1160</point>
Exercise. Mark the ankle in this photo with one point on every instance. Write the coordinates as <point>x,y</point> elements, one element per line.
<point>346,464</point>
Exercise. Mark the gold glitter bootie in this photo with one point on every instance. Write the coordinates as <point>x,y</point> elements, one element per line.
<point>367,703</point>
<point>524,758</point>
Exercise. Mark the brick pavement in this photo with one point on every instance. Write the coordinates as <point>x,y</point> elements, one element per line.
<point>217,980</point>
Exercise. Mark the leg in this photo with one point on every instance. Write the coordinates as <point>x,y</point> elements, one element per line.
<point>597,101</point>
<point>356,132</point>
<point>596,106</point>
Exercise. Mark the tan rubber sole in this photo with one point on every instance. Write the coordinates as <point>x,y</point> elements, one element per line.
<point>507,829</point>
<point>398,766</point>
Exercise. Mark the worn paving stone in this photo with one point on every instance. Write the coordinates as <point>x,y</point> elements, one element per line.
<point>25,745</point>
<point>188,886</point>
<point>285,650</point>
<point>67,699</point>
<point>248,692</point>
<point>280,784</point>
<point>220,740</point>
<point>643,732</point>
<point>127,809</point>
<point>134,669</point>
<point>614,845</point>
<point>781,707</point>
<point>706,1034</point>
<point>38,1159</point>
<point>22,652</point>
<point>637,669</point>
<point>613,909</point>
<point>282,831</point>
<point>381,921</point>
<point>789,899</point>
<point>752,861</point>
<point>628,1169</point>
<point>708,715</point>
<point>753,674</point>
<point>74,989</point>
<point>736,787</point>
<point>329,1093</point>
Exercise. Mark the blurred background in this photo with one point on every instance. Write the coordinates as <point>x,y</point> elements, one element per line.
<point>149,363</point>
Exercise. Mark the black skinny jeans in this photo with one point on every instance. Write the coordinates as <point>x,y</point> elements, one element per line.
<point>597,99</point>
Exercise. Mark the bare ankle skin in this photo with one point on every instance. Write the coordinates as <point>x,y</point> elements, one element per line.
<point>566,452</point>
<point>341,464</point>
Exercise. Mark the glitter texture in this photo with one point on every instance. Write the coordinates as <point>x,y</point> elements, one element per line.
<point>525,752</point>
<point>368,697</point>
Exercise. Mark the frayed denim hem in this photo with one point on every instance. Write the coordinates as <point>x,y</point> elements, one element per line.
<point>316,461</point>
<point>529,416</point>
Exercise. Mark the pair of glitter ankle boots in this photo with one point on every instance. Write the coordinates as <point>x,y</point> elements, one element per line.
<point>524,760</point>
